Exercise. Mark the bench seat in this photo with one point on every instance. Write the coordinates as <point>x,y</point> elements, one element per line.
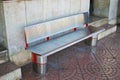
<point>49,47</point>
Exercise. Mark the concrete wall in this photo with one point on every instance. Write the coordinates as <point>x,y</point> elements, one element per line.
<point>44,10</point>
<point>1,19</point>
<point>106,8</point>
<point>118,15</point>
<point>2,26</point>
<point>113,11</point>
<point>15,20</point>
<point>19,14</point>
<point>118,8</point>
<point>101,8</point>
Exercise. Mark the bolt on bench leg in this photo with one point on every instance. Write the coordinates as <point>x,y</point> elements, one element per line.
<point>39,63</point>
<point>94,40</point>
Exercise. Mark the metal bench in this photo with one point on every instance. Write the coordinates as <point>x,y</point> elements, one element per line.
<point>47,38</point>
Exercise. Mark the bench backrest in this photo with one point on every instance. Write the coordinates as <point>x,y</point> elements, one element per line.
<point>42,31</point>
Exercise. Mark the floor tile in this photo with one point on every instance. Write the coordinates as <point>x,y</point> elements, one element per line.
<point>89,67</point>
<point>51,75</point>
<point>71,74</point>
<point>112,42</point>
<point>111,72</point>
<point>93,71</point>
<point>28,73</point>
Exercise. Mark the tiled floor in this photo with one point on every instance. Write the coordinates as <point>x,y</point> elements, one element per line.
<point>82,62</point>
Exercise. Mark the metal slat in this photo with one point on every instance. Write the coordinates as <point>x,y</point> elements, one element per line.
<point>72,43</point>
<point>56,43</point>
<point>59,42</point>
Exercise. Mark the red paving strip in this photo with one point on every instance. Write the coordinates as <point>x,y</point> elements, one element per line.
<point>82,63</point>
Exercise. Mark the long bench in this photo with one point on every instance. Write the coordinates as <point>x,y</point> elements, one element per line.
<point>49,37</point>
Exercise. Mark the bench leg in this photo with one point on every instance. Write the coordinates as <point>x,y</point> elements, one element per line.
<point>94,40</point>
<point>43,65</point>
<point>39,64</point>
